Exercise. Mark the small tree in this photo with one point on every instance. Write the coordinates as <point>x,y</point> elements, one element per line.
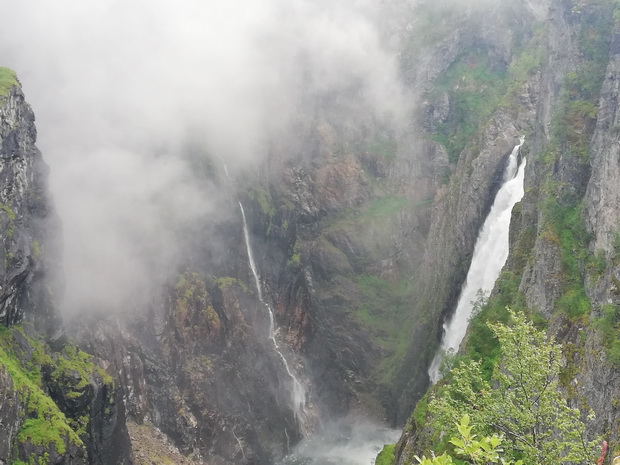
<point>484,451</point>
<point>523,401</point>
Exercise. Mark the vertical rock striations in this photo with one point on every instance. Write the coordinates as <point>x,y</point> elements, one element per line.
<point>27,220</point>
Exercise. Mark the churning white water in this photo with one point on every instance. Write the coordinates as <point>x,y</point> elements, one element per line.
<point>490,254</point>
<point>297,390</point>
<point>347,442</point>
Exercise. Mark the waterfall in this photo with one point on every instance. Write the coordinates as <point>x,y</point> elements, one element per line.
<point>297,390</point>
<point>490,254</point>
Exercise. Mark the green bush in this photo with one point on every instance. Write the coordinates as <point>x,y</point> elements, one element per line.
<point>386,456</point>
<point>608,326</point>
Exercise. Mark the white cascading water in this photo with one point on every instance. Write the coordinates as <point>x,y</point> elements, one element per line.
<point>298,392</point>
<point>490,254</point>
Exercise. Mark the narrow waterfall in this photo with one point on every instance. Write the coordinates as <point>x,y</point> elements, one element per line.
<point>490,254</point>
<point>297,390</point>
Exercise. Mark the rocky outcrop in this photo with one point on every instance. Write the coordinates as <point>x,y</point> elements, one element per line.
<point>603,196</point>
<point>27,219</point>
<point>64,407</point>
<point>57,404</point>
<point>198,365</point>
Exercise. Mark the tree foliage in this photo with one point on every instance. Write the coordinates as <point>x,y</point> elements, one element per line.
<point>522,401</point>
<point>484,451</point>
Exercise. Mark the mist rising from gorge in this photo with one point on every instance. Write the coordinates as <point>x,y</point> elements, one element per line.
<point>120,90</point>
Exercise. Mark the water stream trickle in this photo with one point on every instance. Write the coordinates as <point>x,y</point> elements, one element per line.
<point>297,390</point>
<point>490,254</point>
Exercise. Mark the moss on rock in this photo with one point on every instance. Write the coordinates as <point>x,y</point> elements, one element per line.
<point>8,80</point>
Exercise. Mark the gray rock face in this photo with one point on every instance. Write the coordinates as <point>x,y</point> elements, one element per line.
<point>11,415</point>
<point>603,195</point>
<point>559,179</point>
<point>27,219</point>
<point>197,364</point>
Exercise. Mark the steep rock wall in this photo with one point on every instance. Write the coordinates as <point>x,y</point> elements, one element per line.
<point>198,365</point>
<point>58,405</point>
<point>28,220</point>
<point>561,265</point>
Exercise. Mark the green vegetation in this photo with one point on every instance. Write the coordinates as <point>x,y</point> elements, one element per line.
<point>384,146</point>
<point>386,456</point>
<point>44,431</point>
<point>9,213</point>
<point>479,384</point>
<point>574,123</point>
<point>10,226</point>
<point>45,424</point>
<point>384,309</point>
<point>71,370</point>
<point>483,451</point>
<point>74,361</point>
<point>226,282</point>
<point>375,214</point>
<point>608,325</point>
<point>475,88</point>
<point>521,401</point>
<point>481,343</point>
<point>565,228</point>
<point>265,202</point>
<point>37,249</point>
<point>295,260</point>
<point>420,412</point>
<point>8,80</point>
<point>191,295</point>
<point>385,206</point>
<point>574,126</point>
<point>616,250</point>
<point>380,305</point>
<point>432,24</point>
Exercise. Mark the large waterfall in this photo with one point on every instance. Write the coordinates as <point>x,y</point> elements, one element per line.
<point>490,254</point>
<point>297,390</point>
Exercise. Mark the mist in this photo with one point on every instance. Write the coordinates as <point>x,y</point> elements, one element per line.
<point>350,441</point>
<point>121,88</point>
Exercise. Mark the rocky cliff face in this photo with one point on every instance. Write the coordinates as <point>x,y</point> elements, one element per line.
<point>58,405</point>
<point>28,219</point>
<point>562,263</point>
<point>198,365</point>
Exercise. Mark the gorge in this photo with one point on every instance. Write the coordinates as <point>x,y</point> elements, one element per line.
<point>255,225</point>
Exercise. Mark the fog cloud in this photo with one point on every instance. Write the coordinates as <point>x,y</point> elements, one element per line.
<point>120,87</point>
